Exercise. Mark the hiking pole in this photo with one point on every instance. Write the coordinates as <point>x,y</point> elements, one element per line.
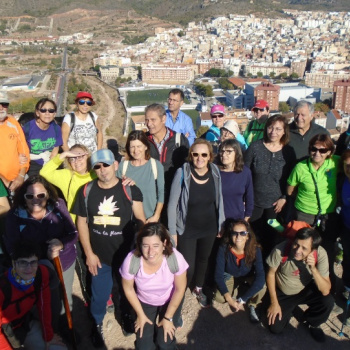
<point>341,334</point>
<point>58,267</point>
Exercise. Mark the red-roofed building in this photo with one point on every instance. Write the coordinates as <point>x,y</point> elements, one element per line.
<point>341,95</point>
<point>237,82</point>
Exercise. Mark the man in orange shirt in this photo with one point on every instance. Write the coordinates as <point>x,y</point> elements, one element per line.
<point>14,152</point>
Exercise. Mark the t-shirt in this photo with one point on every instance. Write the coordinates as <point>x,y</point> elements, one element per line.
<point>293,276</point>
<point>155,289</point>
<point>39,140</point>
<point>110,224</point>
<point>83,133</point>
<point>326,179</point>
<point>3,192</point>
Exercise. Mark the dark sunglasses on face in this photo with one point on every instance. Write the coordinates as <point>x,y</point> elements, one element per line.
<point>256,110</point>
<point>82,102</point>
<point>44,110</point>
<point>321,150</point>
<point>239,233</point>
<point>196,155</point>
<point>24,263</point>
<point>217,116</point>
<point>98,166</point>
<point>31,196</point>
<point>4,104</point>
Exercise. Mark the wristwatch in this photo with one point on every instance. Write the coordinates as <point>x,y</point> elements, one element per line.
<point>240,301</point>
<point>168,319</point>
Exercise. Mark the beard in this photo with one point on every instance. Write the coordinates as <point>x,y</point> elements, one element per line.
<point>3,115</point>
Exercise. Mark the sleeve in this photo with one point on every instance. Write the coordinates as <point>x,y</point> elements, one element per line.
<point>79,207</point>
<point>190,130</point>
<point>322,262</point>
<point>175,192</point>
<point>67,119</point>
<point>220,270</point>
<point>50,171</point>
<point>275,258</point>
<point>124,269</point>
<point>249,194</point>
<point>136,194</point>
<point>22,146</point>
<point>249,156</point>
<point>293,179</point>
<point>3,192</point>
<point>259,280</point>
<point>12,232</point>
<point>183,265</point>
<point>70,232</point>
<point>160,181</point>
<point>242,142</point>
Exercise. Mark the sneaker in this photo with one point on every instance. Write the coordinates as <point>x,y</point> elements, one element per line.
<point>127,323</point>
<point>110,305</point>
<point>201,297</point>
<point>253,317</point>
<point>317,333</point>
<point>97,338</point>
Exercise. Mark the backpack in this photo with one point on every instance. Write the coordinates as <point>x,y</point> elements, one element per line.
<point>72,121</point>
<point>171,260</point>
<point>204,136</point>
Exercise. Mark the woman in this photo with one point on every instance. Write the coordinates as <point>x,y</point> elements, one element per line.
<point>43,135</point>
<point>270,161</point>
<point>25,279</point>
<point>83,126</point>
<point>40,216</point>
<point>236,181</point>
<point>195,212</point>
<point>146,172</point>
<point>160,287</point>
<point>239,256</point>
<point>230,130</point>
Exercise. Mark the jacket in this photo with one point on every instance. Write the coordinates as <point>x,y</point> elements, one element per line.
<point>178,202</point>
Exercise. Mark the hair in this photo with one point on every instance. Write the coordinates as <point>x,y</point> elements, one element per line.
<point>308,232</point>
<point>345,155</point>
<point>177,92</point>
<point>86,150</point>
<point>301,104</point>
<point>251,243</point>
<point>19,200</point>
<point>41,102</point>
<point>201,142</point>
<point>271,121</point>
<point>154,229</point>
<point>239,163</point>
<point>26,249</point>
<point>156,107</point>
<point>140,136</point>
<point>326,140</point>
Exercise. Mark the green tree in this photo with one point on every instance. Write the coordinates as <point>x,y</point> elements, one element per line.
<point>259,74</point>
<point>283,107</point>
<point>294,76</point>
<point>283,75</point>
<point>181,33</point>
<point>321,107</point>
<point>249,75</point>
<point>225,84</point>
<point>201,130</point>
<point>272,74</point>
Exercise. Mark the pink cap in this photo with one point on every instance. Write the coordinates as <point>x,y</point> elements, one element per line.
<point>217,109</point>
<point>261,104</point>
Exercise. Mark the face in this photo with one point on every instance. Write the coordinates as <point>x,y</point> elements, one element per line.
<point>174,102</point>
<point>26,267</point>
<point>3,111</point>
<point>137,150</point>
<point>346,166</point>
<point>275,131</point>
<point>46,113</point>
<point>200,156</point>
<point>79,163</point>
<point>303,118</point>
<point>302,248</point>
<point>104,172</point>
<point>227,156</point>
<point>155,124</point>
<point>238,240</point>
<point>316,156</point>
<point>84,108</point>
<point>218,120</point>
<point>152,249</point>
<point>37,198</point>
<point>259,112</point>
<point>226,135</point>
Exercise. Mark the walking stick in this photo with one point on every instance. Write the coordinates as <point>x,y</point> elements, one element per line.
<point>58,267</point>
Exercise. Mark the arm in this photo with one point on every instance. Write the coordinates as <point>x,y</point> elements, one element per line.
<point>54,152</point>
<point>99,134</point>
<point>274,309</point>
<point>190,131</point>
<point>137,209</point>
<point>323,283</point>
<point>291,190</point>
<point>249,157</point>
<point>4,205</point>
<point>175,193</point>
<point>65,136</point>
<point>156,216</point>
<point>249,196</point>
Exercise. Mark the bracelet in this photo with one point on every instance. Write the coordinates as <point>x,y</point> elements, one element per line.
<point>168,319</point>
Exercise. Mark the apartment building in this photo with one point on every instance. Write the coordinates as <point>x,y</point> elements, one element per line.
<point>341,95</point>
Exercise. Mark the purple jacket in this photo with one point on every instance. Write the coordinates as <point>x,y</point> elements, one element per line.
<point>57,223</point>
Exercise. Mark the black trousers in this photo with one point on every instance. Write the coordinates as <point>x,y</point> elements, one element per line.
<point>320,307</point>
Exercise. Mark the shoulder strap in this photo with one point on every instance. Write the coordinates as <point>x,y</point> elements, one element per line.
<point>125,167</point>
<point>172,263</point>
<point>93,120</point>
<point>215,133</point>
<point>26,129</point>
<point>154,168</point>
<point>127,191</point>
<point>86,191</point>
<point>5,287</point>
<point>72,120</point>
<point>178,139</point>
<point>56,128</point>
<point>286,252</point>
<point>134,264</point>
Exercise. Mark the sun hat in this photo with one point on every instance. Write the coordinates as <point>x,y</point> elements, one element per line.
<point>232,127</point>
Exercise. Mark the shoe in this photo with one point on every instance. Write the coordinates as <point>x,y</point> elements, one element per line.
<point>97,338</point>
<point>317,333</point>
<point>201,297</point>
<point>127,323</point>
<point>253,317</point>
<point>110,305</point>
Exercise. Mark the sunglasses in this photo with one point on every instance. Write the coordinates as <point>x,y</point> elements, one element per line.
<point>98,166</point>
<point>31,196</point>
<point>44,110</point>
<point>321,150</point>
<point>75,159</point>
<point>24,263</point>
<point>256,110</point>
<point>196,155</point>
<point>239,233</point>
<point>82,102</point>
<point>217,116</point>
<point>4,104</point>
<point>228,151</point>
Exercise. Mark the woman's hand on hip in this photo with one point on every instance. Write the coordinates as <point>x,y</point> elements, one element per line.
<point>279,204</point>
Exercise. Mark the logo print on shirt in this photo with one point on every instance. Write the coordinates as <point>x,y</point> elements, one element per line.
<point>106,209</point>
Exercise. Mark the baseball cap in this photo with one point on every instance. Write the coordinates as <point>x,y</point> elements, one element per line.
<point>232,127</point>
<point>84,94</point>
<point>3,97</point>
<point>261,104</point>
<point>217,109</point>
<point>102,156</point>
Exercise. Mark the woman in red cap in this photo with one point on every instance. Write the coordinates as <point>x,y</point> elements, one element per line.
<point>83,126</point>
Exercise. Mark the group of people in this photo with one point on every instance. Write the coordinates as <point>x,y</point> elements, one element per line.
<point>175,212</point>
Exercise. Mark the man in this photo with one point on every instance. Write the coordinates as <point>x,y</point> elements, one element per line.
<point>299,274</point>
<point>14,152</point>
<point>104,210</point>
<point>255,129</point>
<point>177,120</point>
<point>302,129</point>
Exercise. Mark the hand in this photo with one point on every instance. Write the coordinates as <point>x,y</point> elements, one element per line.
<point>279,204</point>
<point>247,218</point>
<point>272,312</point>
<point>153,218</point>
<point>187,134</point>
<point>126,181</point>
<point>311,261</point>
<point>53,250</point>
<point>235,306</point>
<point>56,340</point>
<point>71,154</point>
<point>93,262</point>
<point>169,329</point>
<point>140,323</point>
<point>17,182</point>
<point>22,159</point>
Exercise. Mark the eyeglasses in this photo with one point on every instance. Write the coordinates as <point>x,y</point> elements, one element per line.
<point>4,104</point>
<point>196,155</point>
<point>228,151</point>
<point>82,102</point>
<point>321,150</point>
<point>214,116</point>
<point>98,166</point>
<point>271,129</point>
<point>75,159</point>
<point>31,196</point>
<point>239,233</point>
<point>24,263</point>
<point>44,110</point>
